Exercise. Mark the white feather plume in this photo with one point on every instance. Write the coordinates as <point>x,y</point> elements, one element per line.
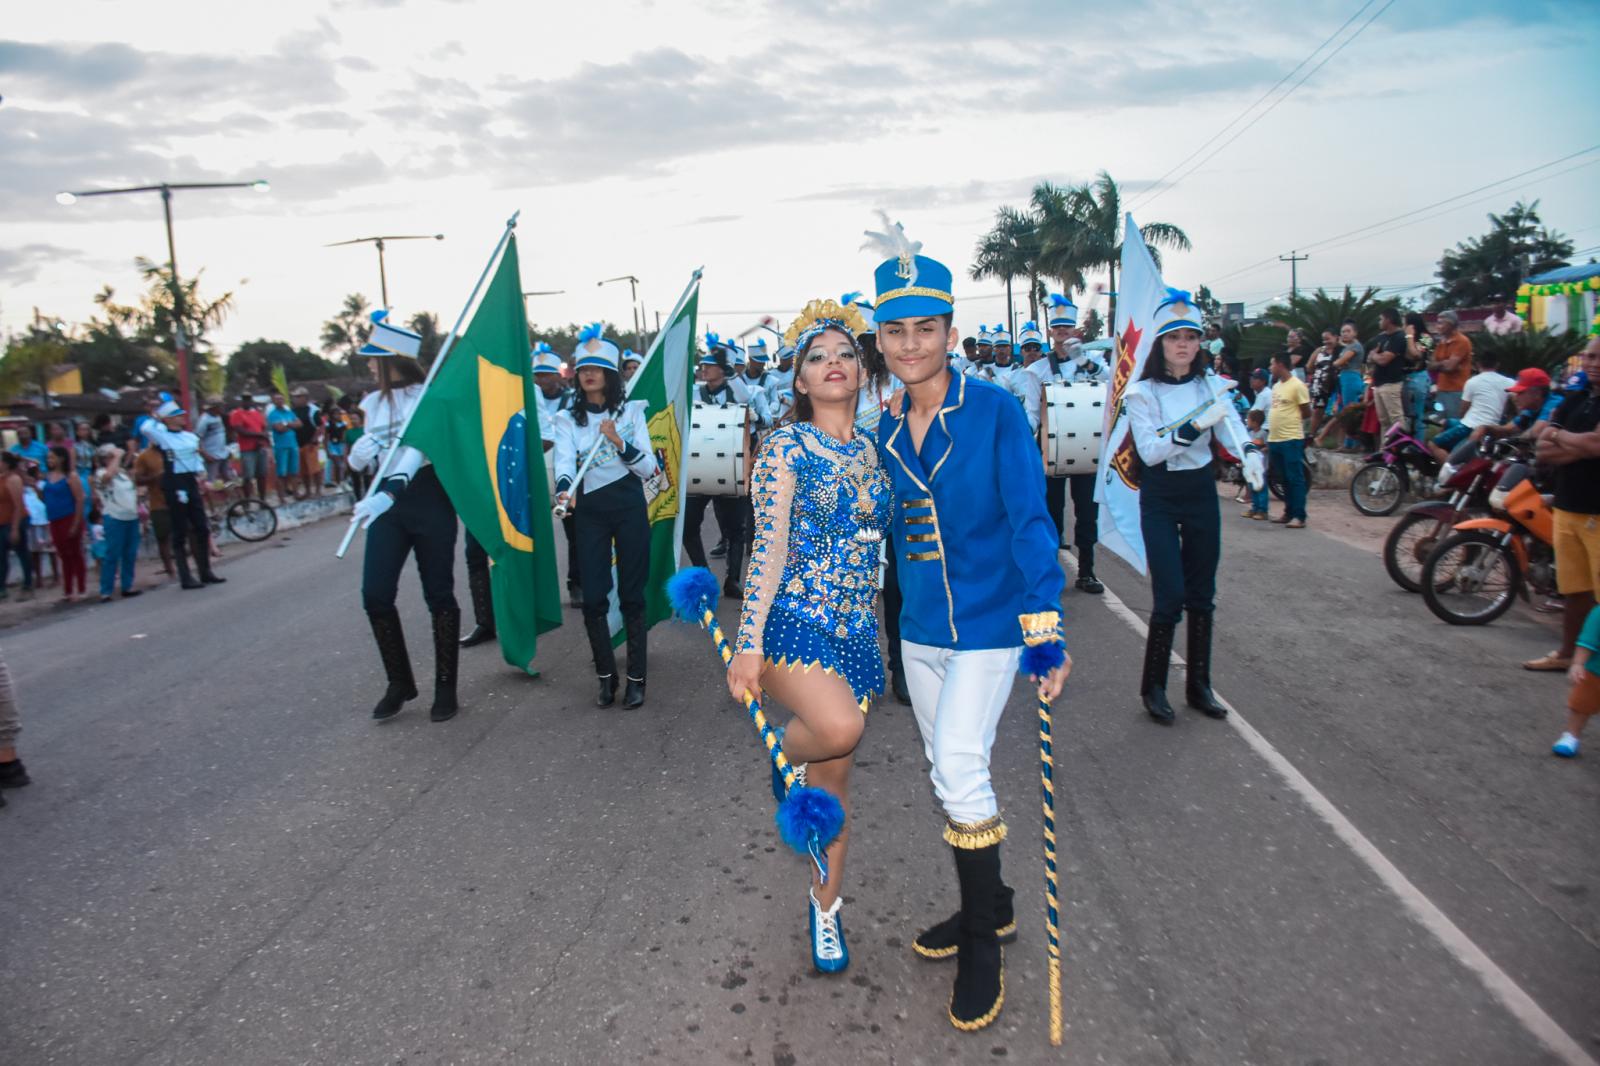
<point>893,243</point>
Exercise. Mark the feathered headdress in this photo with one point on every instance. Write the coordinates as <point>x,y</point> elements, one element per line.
<point>893,243</point>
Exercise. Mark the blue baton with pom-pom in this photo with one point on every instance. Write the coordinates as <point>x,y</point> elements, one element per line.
<point>809,819</point>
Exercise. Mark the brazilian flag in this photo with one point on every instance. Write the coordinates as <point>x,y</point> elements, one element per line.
<point>478,423</point>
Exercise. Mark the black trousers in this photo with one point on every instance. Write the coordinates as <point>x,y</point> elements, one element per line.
<point>569,526</point>
<point>188,517</point>
<point>1182,525</point>
<point>729,511</point>
<point>477,558</point>
<point>1085,512</point>
<point>421,521</point>
<point>892,604</point>
<point>613,518</point>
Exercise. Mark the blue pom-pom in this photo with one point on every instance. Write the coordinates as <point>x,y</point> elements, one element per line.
<point>808,811</point>
<point>689,590</point>
<point>1040,659</point>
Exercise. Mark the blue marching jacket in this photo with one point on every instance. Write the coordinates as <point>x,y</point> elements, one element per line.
<point>973,539</point>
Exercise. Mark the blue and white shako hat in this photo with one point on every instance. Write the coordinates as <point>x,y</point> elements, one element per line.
<point>715,351</point>
<point>1063,312</point>
<point>169,408</point>
<point>735,353</point>
<point>985,338</point>
<point>758,351</point>
<point>909,285</point>
<point>1029,334</point>
<point>631,356</point>
<point>544,359</point>
<point>1000,336</point>
<point>594,350</point>
<point>1176,311</point>
<point>389,339</point>
<point>856,300</point>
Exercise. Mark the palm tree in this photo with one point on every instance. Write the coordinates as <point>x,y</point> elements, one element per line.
<point>1311,313</point>
<point>1010,250</point>
<point>425,324</point>
<point>348,330</point>
<point>1058,236</point>
<point>1096,239</point>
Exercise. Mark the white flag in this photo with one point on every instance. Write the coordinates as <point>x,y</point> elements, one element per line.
<point>1116,490</point>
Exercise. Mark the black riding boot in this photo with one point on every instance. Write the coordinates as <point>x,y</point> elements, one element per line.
<point>396,663</point>
<point>446,656</point>
<point>1087,582</point>
<point>939,942</point>
<point>638,641</point>
<point>185,578</point>
<point>733,588</point>
<point>605,658</point>
<point>1153,685</point>
<point>980,987</point>
<point>1197,690</point>
<point>482,609</point>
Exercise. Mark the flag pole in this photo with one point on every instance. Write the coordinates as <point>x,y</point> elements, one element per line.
<point>655,348</point>
<point>444,351</point>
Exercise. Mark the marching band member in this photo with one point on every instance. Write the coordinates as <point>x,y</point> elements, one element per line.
<point>630,364</point>
<point>1026,386</point>
<point>823,504</point>
<point>554,397</point>
<point>408,513</point>
<point>608,507</point>
<point>779,380</point>
<point>180,483</point>
<point>963,363</point>
<point>1067,361</point>
<point>752,383</point>
<point>985,357</point>
<point>978,571</point>
<point>1174,411</point>
<point>716,390</point>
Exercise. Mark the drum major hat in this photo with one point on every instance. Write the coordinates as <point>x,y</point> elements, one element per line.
<point>985,338</point>
<point>1000,336</point>
<point>631,356</point>
<point>388,339</point>
<point>545,360</point>
<point>594,350</point>
<point>758,351</point>
<point>867,312</point>
<point>1030,334</point>
<point>1176,311</point>
<point>1063,312</point>
<point>909,284</point>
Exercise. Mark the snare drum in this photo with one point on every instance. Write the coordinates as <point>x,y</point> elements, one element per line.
<point>1071,427</point>
<point>718,458</point>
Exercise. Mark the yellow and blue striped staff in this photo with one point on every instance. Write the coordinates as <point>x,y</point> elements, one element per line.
<point>1052,931</point>
<point>809,818</point>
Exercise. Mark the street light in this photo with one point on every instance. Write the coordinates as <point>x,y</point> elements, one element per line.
<point>383,278</point>
<point>633,285</point>
<point>180,341</point>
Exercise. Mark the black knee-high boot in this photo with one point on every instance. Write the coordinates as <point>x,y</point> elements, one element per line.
<point>446,657</point>
<point>1153,685</point>
<point>1197,690</point>
<point>940,942</point>
<point>638,637</point>
<point>980,986</point>
<point>605,658</point>
<point>1087,582</point>
<point>482,609</point>
<point>391,640</point>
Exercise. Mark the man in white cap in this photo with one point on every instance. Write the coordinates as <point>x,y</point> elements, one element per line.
<point>185,465</point>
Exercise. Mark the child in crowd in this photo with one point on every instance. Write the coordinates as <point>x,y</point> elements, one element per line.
<point>39,528</point>
<point>1583,702</point>
<point>1256,422</point>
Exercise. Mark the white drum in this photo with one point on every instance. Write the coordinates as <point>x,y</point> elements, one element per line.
<point>718,459</point>
<point>1071,426</point>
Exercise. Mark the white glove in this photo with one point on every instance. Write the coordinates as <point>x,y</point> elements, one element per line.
<point>1255,471</point>
<point>363,452</point>
<point>1212,415</point>
<point>369,509</point>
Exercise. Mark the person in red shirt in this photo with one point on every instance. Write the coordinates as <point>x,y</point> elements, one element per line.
<point>249,427</point>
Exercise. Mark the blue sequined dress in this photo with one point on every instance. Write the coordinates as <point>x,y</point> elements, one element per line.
<point>822,509</point>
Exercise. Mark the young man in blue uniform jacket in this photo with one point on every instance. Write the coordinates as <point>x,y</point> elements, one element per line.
<point>981,581</point>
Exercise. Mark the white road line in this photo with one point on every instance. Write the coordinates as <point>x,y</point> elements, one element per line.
<point>1499,983</point>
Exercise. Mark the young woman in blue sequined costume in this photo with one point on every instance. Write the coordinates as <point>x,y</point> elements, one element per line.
<point>808,631</point>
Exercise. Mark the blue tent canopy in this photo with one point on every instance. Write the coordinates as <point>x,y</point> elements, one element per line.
<point>1566,275</point>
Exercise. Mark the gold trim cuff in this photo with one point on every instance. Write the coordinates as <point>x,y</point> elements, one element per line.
<point>1041,628</point>
<point>975,835</point>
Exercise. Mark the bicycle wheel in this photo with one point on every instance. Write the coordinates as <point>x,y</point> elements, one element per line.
<point>1470,579</point>
<point>1376,490</point>
<point>252,519</point>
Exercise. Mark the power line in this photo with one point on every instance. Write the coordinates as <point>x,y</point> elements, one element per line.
<point>1137,201</point>
<point>1427,207</point>
<point>1271,107</point>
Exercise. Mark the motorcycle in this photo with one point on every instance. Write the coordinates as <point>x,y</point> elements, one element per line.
<point>1473,575</point>
<point>1385,477</point>
<point>1470,473</point>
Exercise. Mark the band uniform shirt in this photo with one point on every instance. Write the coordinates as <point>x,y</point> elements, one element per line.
<point>1156,411</point>
<point>573,443</point>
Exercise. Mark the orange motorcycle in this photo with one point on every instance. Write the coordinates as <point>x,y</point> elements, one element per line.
<point>1473,575</point>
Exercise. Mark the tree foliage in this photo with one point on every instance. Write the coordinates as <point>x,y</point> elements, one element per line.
<point>1531,347</point>
<point>1311,313</point>
<point>1481,269</point>
<point>250,366</point>
<point>344,334</point>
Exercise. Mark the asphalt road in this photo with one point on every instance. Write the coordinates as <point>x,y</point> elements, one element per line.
<point>223,860</point>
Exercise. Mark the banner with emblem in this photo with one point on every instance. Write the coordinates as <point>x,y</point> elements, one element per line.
<point>1116,488</point>
<point>478,424</point>
<point>662,383</point>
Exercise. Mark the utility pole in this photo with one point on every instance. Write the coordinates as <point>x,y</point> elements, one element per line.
<point>1294,262</point>
<point>383,275</point>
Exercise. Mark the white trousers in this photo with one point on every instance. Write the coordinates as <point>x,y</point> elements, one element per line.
<point>958,697</point>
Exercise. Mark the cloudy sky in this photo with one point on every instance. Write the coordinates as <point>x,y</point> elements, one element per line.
<point>756,137</point>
